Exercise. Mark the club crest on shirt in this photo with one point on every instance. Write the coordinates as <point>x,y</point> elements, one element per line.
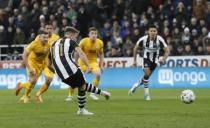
<point>46,50</point>
<point>97,47</point>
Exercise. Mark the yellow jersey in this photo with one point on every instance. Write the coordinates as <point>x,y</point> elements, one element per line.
<point>39,47</point>
<point>38,51</point>
<point>91,49</point>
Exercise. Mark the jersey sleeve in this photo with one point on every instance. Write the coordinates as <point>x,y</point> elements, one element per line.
<point>31,46</point>
<point>102,44</point>
<point>163,44</point>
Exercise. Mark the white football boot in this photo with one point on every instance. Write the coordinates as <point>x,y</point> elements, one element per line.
<point>106,94</point>
<point>147,97</point>
<point>84,112</point>
<point>133,89</point>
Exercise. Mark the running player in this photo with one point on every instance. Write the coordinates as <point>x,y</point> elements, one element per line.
<point>152,44</point>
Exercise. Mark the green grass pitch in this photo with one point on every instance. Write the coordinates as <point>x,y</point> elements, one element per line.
<point>121,111</point>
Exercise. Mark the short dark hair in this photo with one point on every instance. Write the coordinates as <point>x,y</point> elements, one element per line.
<point>71,29</point>
<point>92,29</point>
<point>152,26</point>
<point>48,23</point>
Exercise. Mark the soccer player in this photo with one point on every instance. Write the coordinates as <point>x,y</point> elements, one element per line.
<point>48,74</point>
<point>34,57</point>
<point>62,63</point>
<point>152,44</point>
<point>34,60</point>
<point>93,48</point>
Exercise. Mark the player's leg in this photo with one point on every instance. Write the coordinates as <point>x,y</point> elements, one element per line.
<point>81,101</point>
<point>97,73</point>
<point>48,79</point>
<point>77,80</point>
<point>96,90</point>
<point>29,85</point>
<point>32,81</point>
<point>146,67</point>
<point>145,81</point>
<point>81,97</point>
<point>21,85</point>
<point>72,90</point>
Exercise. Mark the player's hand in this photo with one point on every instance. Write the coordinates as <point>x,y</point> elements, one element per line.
<point>162,61</point>
<point>134,64</point>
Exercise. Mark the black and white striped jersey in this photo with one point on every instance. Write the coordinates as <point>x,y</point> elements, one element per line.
<point>61,53</point>
<point>151,48</point>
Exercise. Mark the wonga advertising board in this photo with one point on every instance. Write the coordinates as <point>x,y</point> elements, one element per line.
<point>193,77</point>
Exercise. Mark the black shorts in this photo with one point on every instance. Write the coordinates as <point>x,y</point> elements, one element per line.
<point>75,80</point>
<point>149,64</point>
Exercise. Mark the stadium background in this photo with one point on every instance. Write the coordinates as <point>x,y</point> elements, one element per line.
<point>184,24</point>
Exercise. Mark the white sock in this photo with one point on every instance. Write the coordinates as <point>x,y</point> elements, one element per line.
<point>146,91</point>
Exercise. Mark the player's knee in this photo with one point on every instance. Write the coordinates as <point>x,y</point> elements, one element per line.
<point>33,81</point>
<point>48,80</point>
<point>30,86</point>
<point>82,88</point>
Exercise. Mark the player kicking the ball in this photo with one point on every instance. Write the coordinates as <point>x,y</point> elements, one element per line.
<point>62,63</point>
<point>152,44</point>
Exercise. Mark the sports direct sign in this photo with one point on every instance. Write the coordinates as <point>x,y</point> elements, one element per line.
<point>11,64</point>
<point>188,61</point>
<point>172,61</point>
<point>122,62</point>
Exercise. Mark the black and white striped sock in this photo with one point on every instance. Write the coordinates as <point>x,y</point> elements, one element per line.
<point>91,88</point>
<point>146,83</point>
<point>81,99</point>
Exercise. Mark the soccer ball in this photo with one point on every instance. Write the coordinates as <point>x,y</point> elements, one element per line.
<point>187,96</point>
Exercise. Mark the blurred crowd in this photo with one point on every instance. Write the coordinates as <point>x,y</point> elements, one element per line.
<point>184,24</point>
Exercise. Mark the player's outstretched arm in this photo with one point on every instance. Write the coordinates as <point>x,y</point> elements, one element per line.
<point>83,57</point>
<point>135,54</point>
<point>166,54</point>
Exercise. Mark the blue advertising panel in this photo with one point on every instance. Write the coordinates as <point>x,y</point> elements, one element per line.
<point>191,77</point>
